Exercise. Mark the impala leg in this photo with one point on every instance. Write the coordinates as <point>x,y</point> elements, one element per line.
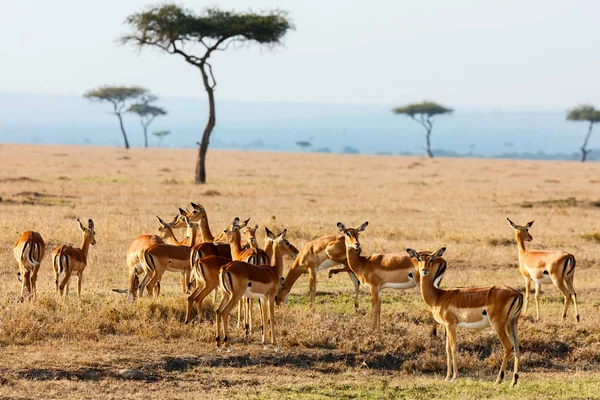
<point>33,283</point>
<point>250,316</point>
<point>79,280</point>
<point>143,283</point>
<point>215,296</point>
<point>190,301</point>
<point>512,332</point>
<point>239,315</point>
<point>219,318</point>
<point>183,279</point>
<point>64,284</point>
<point>263,312</point>
<point>376,300</point>
<point>562,287</point>
<point>312,277</point>
<point>569,282</point>
<point>356,283</point>
<point>448,356</point>
<point>225,317</point>
<point>25,284</point>
<point>152,283</point>
<point>537,300</point>
<point>502,332</point>
<point>527,291</point>
<point>272,315</point>
<point>453,347</point>
<point>203,294</point>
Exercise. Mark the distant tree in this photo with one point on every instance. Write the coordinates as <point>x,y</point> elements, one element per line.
<point>161,135</point>
<point>176,30</point>
<point>118,96</point>
<point>585,112</point>
<point>350,150</point>
<point>423,114</point>
<point>304,144</point>
<point>147,113</point>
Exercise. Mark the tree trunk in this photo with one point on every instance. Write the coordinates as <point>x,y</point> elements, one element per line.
<point>123,129</point>
<point>584,150</point>
<point>145,135</point>
<point>428,138</point>
<point>210,124</point>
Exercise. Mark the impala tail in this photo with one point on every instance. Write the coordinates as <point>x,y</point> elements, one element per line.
<point>569,266</point>
<point>226,282</point>
<point>63,262</point>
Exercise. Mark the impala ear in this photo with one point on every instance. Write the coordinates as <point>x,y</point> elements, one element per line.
<point>438,253</point>
<point>363,226</point>
<point>512,224</point>
<point>528,225</point>
<point>341,227</point>
<point>182,211</point>
<point>282,234</point>
<point>413,254</point>
<point>235,223</point>
<point>80,225</point>
<point>270,234</point>
<point>197,206</point>
<point>90,224</point>
<point>160,221</point>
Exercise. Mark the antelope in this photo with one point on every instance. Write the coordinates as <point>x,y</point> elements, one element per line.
<point>165,235</point>
<point>29,252</point>
<point>164,257</point>
<point>207,268</point>
<point>380,271</point>
<point>68,260</point>
<point>324,252</point>
<point>475,308</point>
<point>238,279</point>
<point>544,267</point>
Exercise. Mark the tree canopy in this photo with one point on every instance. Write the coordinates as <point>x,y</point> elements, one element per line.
<point>584,112</point>
<point>176,30</point>
<point>427,108</point>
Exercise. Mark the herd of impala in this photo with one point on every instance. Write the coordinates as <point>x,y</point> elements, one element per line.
<point>244,272</point>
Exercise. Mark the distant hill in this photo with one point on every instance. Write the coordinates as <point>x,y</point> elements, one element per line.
<point>368,128</point>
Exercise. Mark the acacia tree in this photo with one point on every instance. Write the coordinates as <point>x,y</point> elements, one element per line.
<point>147,113</point>
<point>161,135</point>
<point>585,112</point>
<point>176,30</point>
<point>118,96</point>
<point>423,114</point>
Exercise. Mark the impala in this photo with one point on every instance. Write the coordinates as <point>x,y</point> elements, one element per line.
<point>239,279</point>
<point>29,252</point>
<point>144,242</point>
<point>324,252</point>
<point>544,267</point>
<point>68,260</point>
<point>165,257</point>
<point>379,271</point>
<point>475,308</point>
<point>208,268</point>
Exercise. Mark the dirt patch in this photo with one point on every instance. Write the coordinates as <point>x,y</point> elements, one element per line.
<point>19,179</point>
<point>568,202</point>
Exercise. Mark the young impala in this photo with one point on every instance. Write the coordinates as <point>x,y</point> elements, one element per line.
<point>476,308</point>
<point>29,252</point>
<point>545,267</point>
<point>164,257</point>
<point>68,260</point>
<point>239,279</point>
<point>380,271</point>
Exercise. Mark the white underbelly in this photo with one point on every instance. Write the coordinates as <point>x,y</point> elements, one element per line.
<point>327,264</point>
<point>544,280</point>
<point>405,285</point>
<point>252,295</point>
<point>483,323</point>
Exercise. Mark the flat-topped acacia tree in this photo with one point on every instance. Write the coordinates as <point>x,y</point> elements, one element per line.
<point>585,112</point>
<point>422,113</point>
<point>147,113</point>
<point>177,30</point>
<point>118,96</point>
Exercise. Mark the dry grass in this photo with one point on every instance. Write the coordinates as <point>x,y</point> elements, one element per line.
<point>50,349</point>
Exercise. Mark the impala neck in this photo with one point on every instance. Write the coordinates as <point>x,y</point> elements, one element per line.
<point>192,232</point>
<point>85,245</point>
<point>355,261</point>
<point>429,292</point>
<point>277,259</point>
<point>295,272</point>
<point>269,250</point>
<point>207,235</point>
<point>169,237</point>
<point>236,244</point>
<point>521,245</point>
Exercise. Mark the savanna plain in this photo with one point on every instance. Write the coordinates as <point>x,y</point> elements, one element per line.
<point>109,348</point>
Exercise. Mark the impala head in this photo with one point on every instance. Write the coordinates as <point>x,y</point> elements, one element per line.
<point>88,233</point>
<point>427,262</point>
<point>284,245</point>
<point>351,235</point>
<point>191,226</point>
<point>164,227</point>
<point>522,231</point>
<point>198,212</point>
<point>251,235</point>
<point>226,236</point>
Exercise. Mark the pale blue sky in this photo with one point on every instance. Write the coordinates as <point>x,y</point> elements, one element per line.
<point>481,54</point>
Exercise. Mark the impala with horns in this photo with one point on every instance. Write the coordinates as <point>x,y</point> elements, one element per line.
<point>239,279</point>
<point>545,267</point>
<point>29,252</point>
<point>380,271</point>
<point>164,257</point>
<point>67,260</point>
<point>475,308</point>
